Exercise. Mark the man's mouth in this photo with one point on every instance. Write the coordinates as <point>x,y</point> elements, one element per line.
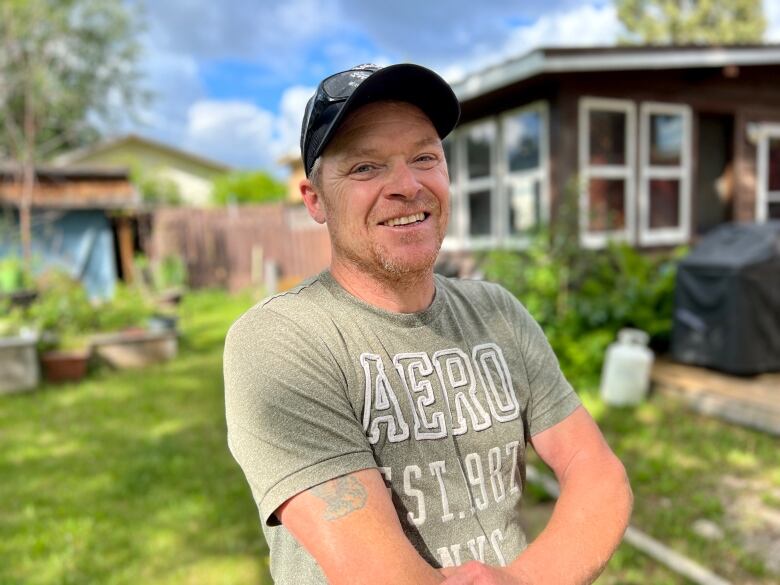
<point>406,220</point>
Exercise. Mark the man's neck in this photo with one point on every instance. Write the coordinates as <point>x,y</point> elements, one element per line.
<point>411,293</point>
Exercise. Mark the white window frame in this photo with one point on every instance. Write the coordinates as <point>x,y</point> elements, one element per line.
<point>647,172</point>
<point>626,171</point>
<point>498,181</point>
<point>763,195</point>
<point>541,173</point>
<point>466,185</point>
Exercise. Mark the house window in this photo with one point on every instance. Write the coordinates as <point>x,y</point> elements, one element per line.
<point>479,141</point>
<point>768,192</point>
<point>524,153</point>
<point>606,151</point>
<point>664,186</point>
<point>498,174</point>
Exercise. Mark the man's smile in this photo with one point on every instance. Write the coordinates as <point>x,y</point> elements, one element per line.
<point>406,219</point>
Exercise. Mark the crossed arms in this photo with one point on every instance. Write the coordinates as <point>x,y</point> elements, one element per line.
<point>349,524</point>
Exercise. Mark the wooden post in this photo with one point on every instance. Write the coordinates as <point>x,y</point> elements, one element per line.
<point>124,232</point>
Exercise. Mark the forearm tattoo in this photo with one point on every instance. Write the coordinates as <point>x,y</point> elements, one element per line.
<point>341,495</point>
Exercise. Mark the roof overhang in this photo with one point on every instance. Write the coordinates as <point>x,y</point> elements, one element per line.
<point>545,61</point>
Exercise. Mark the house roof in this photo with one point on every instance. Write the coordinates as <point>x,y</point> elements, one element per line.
<point>83,187</point>
<point>74,156</point>
<point>579,59</point>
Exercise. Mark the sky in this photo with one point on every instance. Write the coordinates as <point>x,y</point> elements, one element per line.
<point>230,79</point>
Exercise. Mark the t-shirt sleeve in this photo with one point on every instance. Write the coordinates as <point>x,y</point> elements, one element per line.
<point>290,424</point>
<point>552,398</point>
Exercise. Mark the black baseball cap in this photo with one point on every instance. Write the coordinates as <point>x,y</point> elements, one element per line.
<point>338,95</point>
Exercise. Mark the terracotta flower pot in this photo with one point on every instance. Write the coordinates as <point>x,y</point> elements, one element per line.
<point>65,366</point>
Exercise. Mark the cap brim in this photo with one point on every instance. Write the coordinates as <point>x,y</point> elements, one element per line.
<point>405,82</point>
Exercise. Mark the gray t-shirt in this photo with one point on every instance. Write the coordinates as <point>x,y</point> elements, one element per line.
<point>319,384</point>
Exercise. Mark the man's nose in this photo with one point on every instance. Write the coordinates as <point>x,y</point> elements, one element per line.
<point>403,181</point>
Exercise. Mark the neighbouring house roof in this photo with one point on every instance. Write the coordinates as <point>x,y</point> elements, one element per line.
<point>82,187</point>
<point>583,59</point>
<point>86,153</point>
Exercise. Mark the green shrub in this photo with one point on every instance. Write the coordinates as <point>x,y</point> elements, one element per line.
<point>248,187</point>
<point>582,298</point>
<point>14,276</point>
<point>171,273</point>
<point>128,308</point>
<point>62,309</point>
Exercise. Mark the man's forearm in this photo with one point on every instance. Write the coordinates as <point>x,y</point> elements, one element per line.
<point>586,527</point>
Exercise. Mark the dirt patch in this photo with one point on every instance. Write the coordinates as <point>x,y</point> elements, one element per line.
<point>752,510</point>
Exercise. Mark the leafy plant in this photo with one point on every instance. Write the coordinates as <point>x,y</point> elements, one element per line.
<point>248,187</point>
<point>128,308</point>
<point>14,276</point>
<point>171,272</point>
<point>12,319</point>
<point>62,310</point>
<point>582,298</point>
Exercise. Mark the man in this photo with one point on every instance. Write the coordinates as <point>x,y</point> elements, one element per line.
<point>380,412</point>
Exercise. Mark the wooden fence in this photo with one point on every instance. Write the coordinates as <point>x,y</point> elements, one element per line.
<point>241,246</point>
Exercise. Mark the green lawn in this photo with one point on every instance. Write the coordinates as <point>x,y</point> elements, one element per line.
<point>126,477</point>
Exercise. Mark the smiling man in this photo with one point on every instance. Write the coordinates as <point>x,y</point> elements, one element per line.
<point>380,412</point>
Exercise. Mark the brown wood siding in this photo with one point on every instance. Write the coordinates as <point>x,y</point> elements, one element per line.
<point>73,193</point>
<point>218,245</point>
<point>750,94</point>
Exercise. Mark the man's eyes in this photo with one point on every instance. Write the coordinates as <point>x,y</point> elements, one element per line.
<point>427,158</point>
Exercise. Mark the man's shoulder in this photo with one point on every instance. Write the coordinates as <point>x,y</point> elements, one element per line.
<point>473,290</point>
<point>281,312</point>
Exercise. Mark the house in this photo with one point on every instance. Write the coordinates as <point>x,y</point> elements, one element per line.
<point>654,145</point>
<point>192,174</point>
<point>78,222</point>
<point>294,163</point>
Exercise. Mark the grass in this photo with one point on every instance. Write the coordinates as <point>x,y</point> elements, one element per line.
<point>126,477</point>
<point>679,464</point>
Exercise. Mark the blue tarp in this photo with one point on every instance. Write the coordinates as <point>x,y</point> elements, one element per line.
<point>79,241</point>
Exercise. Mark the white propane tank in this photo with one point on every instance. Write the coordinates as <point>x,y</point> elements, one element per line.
<point>625,378</point>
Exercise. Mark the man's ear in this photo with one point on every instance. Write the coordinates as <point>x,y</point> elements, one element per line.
<point>313,201</point>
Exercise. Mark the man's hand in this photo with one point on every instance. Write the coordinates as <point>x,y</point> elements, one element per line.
<point>476,573</point>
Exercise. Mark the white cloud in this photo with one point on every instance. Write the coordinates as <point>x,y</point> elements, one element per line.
<point>235,131</point>
<point>245,135</point>
<point>586,25</point>
<point>772,14</point>
<point>266,32</point>
<point>288,122</point>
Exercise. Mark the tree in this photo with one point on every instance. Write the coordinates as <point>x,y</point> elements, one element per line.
<point>698,22</point>
<point>65,67</point>
<point>248,187</point>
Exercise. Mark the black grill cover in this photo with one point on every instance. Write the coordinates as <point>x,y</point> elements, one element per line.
<point>727,300</point>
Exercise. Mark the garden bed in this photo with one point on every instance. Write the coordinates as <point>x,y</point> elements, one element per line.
<point>135,348</point>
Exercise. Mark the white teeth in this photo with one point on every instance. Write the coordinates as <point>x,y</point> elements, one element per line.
<point>405,220</point>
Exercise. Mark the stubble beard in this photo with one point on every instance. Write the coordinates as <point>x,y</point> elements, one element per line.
<point>385,267</point>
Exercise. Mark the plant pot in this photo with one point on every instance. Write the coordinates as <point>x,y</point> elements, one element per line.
<point>170,297</point>
<point>19,370</point>
<point>135,349</point>
<point>160,322</point>
<point>65,365</point>
<point>20,298</point>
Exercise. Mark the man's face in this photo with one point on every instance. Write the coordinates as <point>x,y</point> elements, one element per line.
<point>385,191</point>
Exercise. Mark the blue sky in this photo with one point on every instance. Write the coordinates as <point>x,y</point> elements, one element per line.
<point>231,78</point>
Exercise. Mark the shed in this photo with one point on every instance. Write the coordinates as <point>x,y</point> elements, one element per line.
<point>77,222</point>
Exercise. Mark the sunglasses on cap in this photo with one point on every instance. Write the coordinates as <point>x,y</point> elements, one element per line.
<point>334,89</point>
